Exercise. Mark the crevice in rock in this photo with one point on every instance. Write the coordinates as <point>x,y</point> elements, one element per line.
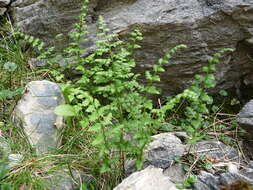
<point>111,4</point>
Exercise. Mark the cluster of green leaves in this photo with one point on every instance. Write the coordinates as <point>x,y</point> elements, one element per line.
<point>188,183</point>
<point>195,118</point>
<point>107,98</point>
<point>109,101</point>
<point>5,92</point>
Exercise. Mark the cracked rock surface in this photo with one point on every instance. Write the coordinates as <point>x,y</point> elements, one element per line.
<point>205,26</point>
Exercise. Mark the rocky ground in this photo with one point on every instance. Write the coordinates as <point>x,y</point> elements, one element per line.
<point>162,168</point>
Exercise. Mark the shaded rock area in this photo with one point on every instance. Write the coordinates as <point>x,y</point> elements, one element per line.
<point>35,114</point>
<point>245,117</point>
<point>205,26</point>
<point>3,6</point>
<point>69,180</point>
<point>46,19</point>
<point>245,121</point>
<point>207,181</point>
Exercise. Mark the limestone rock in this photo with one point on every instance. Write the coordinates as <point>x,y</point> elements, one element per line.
<point>150,178</point>
<point>163,149</point>
<point>160,153</point>
<point>35,114</point>
<point>205,26</point>
<point>245,117</point>
<point>215,150</point>
<point>176,173</point>
<point>208,181</point>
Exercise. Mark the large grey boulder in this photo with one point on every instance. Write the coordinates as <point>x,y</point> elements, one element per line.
<point>35,114</point>
<point>245,117</point>
<point>150,178</point>
<point>205,26</point>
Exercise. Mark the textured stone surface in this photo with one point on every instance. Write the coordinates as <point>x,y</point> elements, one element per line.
<point>245,117</point>
<point>4,3</point>
<point>205,26</point>
<point>2,10</point>
<point>35,114</point>
<point>215,150</point>
<point>150,178</point>
<point>160,153</point>
<point>176,173</point>
<point>208,181</point>
<point>45,19</point>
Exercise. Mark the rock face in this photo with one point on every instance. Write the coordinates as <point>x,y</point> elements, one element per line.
<point>245,117</point>
<point>149,179</point>
<point>35,114</point>
<point>46,19</point>
<point>205,26</point>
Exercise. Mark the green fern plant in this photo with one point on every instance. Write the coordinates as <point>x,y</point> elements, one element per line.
<point>195,118</point>
<point>109,102</point>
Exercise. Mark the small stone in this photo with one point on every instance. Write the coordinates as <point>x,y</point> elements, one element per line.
<point>176,173</point>
<point>33,62</point>
<point>14,159</point>
<point>232,168</point>
<point>150,178</point>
